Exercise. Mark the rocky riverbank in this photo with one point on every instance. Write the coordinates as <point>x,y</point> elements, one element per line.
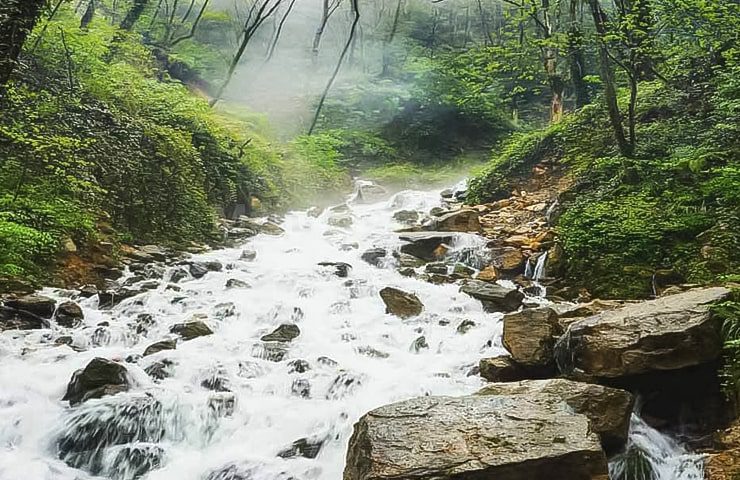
<point>560,401</point>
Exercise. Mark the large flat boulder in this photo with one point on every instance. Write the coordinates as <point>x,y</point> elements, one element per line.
<point>668,333</point>
<point>474,438</point>
<point>608,409</point>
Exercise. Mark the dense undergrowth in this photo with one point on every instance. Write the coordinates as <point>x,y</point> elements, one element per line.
<point>94,132</point>
<point>672,210</point>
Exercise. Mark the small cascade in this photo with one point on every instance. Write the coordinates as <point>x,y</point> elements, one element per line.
<point>536,272</point>
<point>651,455</point>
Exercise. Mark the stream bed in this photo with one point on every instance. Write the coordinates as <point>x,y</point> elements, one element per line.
<point>229,406</point>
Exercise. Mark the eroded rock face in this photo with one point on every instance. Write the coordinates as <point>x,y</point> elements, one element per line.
<point>400,303</point>
<point>495,298</point>
<point>101,377</point>
<point>474,438</point>
<point>668,333</point>
<point>608,409</point>
<point>530,336</point>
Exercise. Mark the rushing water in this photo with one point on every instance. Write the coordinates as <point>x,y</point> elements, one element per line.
<point>232,404</point>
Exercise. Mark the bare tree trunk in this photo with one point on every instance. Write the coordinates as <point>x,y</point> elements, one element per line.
<point>255,19</point>
<point>353,30</point>
<point>389,41</point>
<point>327,10</point>
<point>279,31</point>
<point>607,76</point>
<point>576,58</point>
<point>194,27</point>
<point>17,20</point>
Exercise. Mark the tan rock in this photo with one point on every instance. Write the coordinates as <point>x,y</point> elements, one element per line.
<point>463,220</point>
<point>530,336</point>
<point>488,274</point>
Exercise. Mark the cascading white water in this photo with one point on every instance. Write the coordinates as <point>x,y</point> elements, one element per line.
<point>233,406</point>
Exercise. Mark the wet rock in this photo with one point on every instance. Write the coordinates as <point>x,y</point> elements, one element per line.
<point>488,274</point>
<point>494,298</point>
<point>197,270</point>
<point>477,437</point>
<point>608,409</point>
<point>406,216</point>
<point>111,298</point>
<point>88,291</point>
<point>372,352</point>
<point>463,220</point>
<point>314,212</point>
<point>190,330</point>
<point>270,351</point>
<point>133,461</point>
<point>90,436</point>
<point>301,388</point>
<point>341,220</point>
<point>419,344</point>
<point>304,447</point>
<point>326,361</point>
<point>447,193</point>
<point>530,337</point>
<point>284,333</point>
<point>160,370</point>
<point>12,319</point>
<point>101,377</point>
<point>235,283</point>
<point>343,385</point>
<point>143,322</point>
<point>463,271</point>
<point>439,268</point>
<point>38,305</point>
<point>346,247</point>
<point>298,366</point>
<point>248,255</point>
<point>341,269</point>
<point>216,382</point>
<point>400,303</point>
<point>465,326</point>
<point>64,340</point>
<point>270,228</point>
<point>69,314</point>
<point>429,246</point>
<point>502,369</point>
<point>437,211</point>
<point>375,256</point>
<point>222,404</point>
<point>370,193</point>
<point>179,274</point>
<point>160,346</point>
<point>668,333</point>
<point>408,261</point>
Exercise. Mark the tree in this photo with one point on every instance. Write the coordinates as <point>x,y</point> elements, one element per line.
<point>626,147</point>
<point>576,60</point>
<point>389,40</point>
<point>17,20</point>
<point>260,11</point>
<point>133,14</point>
<point>350,39</point>
<point>327,10</point>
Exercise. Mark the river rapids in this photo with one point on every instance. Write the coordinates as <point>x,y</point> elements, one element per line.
<point>231,407</point>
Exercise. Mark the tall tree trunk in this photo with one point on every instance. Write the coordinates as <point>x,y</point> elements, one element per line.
<point>488,39</point>
<point>279,31</point>
<point>607,77</point>
<point>387,44</point>
<point>352,32</point>
<point>320,31</point>
<point>576,58</point>
<point>133,15</point>
<point>17,19</point>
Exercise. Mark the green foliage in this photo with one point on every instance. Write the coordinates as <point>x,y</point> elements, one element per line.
<point>729,314</point>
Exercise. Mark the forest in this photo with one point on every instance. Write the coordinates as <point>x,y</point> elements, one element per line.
<point>600,137</point>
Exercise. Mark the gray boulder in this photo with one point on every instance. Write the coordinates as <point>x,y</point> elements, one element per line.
<point>12,319</point>
<point>463,220</point>
<point>69,314</point>
<point>494,297</point>
<point>668,333</point>
<point>36,304</point>
<point>429,246</point>
<point>101,377</point>
<point>192,329</point>
<point>474,438</point>
<point>284,333</point>
<point>608,409</point>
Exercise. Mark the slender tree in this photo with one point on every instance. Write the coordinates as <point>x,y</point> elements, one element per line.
<point>260,11</point>
<point>389,40</point>
<point>576,58</point>
<point>327,10</point>
<point>133,14</point>
<point>279,31</point>
<point>332,79</point>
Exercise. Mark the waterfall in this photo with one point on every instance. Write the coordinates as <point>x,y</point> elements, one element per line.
<point>651,455</point>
